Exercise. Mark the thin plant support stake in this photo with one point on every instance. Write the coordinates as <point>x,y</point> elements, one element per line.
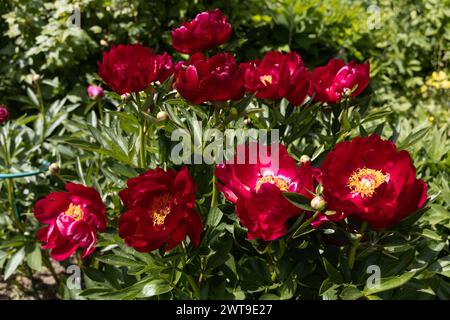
<point>44,167</point>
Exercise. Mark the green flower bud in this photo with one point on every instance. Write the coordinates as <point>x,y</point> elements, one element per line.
<point>53,168</point>
<point>162,116</point>
<point>318,203</point>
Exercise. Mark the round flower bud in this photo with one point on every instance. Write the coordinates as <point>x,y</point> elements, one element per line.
<point>305,158</point>
<point>318,203</point>
<point>95,92</point>
<point>162,116</point>
<point>103,43</point>
<point>125,96</point>
<point>234,112</point>
<point>247,121</point>
<point>53,168</point>
<point>4,114</point>
<point>35,78</point>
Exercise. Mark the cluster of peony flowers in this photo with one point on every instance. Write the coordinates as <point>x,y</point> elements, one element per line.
<point>367,177</point>
<point>218,78</point>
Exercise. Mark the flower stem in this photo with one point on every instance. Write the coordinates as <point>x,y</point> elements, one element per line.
<point>49,266</point>
<point>354,248</point>
<point>214,193</point>
<point>10,187</point>
<point>41,111</point>
<point>190,279</point>
<point>142,155</point>
<point>100,112</point>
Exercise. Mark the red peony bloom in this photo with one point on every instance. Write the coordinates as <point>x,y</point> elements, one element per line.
<point>257,188</point>
<point>73,218</point>
<point>208,30</point>
<point>333,80</point>
<point>4,114</point>
<point>95,92</point>
<point>131,68</point>
<point>278,76</point>
<point>370,179</point>
<point>218,78</point>
<point>161,210</point>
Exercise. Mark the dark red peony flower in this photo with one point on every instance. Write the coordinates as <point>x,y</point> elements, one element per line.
<point>370,179</point>
<point>332,81</point>
<point>73,219</point>
<point>218,78</point>
<point>131,68</point>
<point>161,210</point>
<point>255,184</point>
<point>4,114</point>
<point>278,76</point>
<point>208,30</point>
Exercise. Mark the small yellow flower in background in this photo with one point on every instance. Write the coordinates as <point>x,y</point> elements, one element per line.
<point>424,91</point>
<point>439,76</point>
<point>445,84</point>
<point>438,80</point>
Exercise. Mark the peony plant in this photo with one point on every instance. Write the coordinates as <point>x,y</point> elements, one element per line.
<point>302,216</point>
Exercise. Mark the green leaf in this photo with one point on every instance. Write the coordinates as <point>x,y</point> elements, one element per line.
<point>34,257</point>
<point>155,288</point>
<point>411,219</point>
<point>214,217</point>
<point>34,100</point>
<point>14,262</point>
<point>376,114</point>
<point>220,255</point>
<point>120,261</point>
<point>389,283</point>
<point>350,292</point>
<point>413,138</point>
<point>298,200</point>
<point>332,272</point>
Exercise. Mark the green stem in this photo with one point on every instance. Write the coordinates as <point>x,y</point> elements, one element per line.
<point>194,286</point>
<point>190,279</point>
<point>41,111</point>
<point>10,187</point>
<point>33,283</point>
<point>214,193</point>
<point>49,266</point>
<point>303,225</point>
<point>142,155</point>
<point>354,248</point>
<point>100,111</point>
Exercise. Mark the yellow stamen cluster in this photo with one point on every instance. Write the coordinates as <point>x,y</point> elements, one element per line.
<point>365,181</point>
<point>266,79</point>
<point>281,183</point>
<point>75,212</point>
<point>160,208</point>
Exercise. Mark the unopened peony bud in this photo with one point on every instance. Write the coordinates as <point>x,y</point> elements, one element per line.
<point>4,114</point>
<point>318,203</point>
<point>305,158</point>
<point>234,112</point>
<point>53,168</point>
<point>95,92</point>
<point>162,116</point>
<point>125,96</point>
<point>247,121</point>
<point>35,78</point>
